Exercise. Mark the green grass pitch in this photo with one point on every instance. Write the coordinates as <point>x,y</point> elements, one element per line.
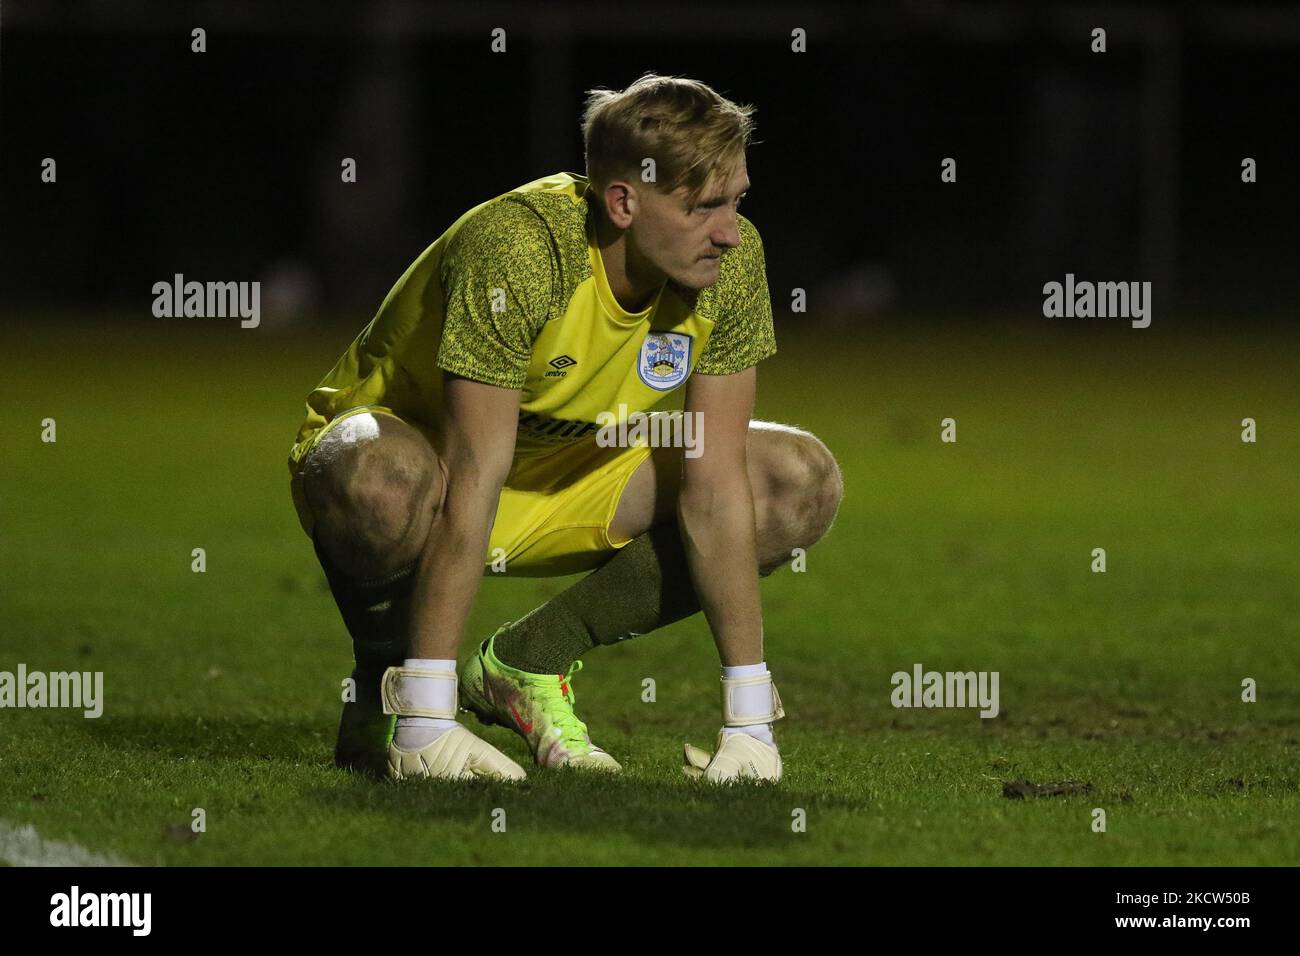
<point>222,688</point>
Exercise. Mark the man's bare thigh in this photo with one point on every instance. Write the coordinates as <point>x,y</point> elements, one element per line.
<point>650,497</point>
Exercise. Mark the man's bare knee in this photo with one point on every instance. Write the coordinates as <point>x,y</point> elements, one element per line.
<point>798,494</point>
<point>823,486</point>
<point>373,488</point>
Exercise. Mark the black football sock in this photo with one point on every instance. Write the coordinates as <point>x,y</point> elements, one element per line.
<point>645,586</point>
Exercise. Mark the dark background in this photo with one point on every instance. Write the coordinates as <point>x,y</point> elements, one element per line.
<point>225,165</point>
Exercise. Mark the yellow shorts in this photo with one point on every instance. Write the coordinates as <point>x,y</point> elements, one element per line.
<point>555,509</point>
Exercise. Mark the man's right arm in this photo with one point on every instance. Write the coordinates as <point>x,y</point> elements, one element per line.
<point>480,421</point>
<point>497,279</point>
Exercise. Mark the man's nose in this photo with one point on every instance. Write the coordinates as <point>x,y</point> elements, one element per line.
<point>728,237</point>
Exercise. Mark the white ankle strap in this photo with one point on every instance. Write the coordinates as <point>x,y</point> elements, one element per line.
<point>390,691</point>
<point>730,716</point>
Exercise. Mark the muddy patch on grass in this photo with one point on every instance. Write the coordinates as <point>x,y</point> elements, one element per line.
<point>1020,789</point>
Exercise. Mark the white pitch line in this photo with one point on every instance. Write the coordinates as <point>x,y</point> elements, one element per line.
<point>23,846</point>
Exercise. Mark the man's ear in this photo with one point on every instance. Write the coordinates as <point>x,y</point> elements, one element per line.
<point>620,202</point>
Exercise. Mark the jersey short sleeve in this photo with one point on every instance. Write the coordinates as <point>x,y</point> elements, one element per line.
<point>741,309</point>
<point>497,274</point>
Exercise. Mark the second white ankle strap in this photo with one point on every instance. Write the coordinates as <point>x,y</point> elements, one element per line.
<point>402,696</point>
<point>750,700</point>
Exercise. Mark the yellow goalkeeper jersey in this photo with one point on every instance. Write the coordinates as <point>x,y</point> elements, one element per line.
<point>514,294</point>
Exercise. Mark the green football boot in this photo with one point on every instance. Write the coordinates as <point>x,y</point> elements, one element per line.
<point>538,707</point>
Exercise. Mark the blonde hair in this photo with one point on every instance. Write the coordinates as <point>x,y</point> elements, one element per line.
<point>689,130</point>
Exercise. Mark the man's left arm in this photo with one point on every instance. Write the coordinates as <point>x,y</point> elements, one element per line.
<point>715,512</point>
<point>715,515</point>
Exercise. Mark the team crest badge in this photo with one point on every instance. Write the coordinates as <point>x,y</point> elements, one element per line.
<point>665,359</point>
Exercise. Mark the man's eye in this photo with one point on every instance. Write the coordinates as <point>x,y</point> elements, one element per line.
<point>708,209</point>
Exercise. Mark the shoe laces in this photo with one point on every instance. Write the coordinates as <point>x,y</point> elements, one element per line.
<point>554,695</point>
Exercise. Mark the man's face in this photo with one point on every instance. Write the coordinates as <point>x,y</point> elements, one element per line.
<point>685,242</point>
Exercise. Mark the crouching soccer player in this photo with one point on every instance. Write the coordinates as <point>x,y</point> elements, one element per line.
<point>462,426</point>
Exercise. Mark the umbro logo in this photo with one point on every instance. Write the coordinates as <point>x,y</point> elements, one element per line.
<point>559,364</point>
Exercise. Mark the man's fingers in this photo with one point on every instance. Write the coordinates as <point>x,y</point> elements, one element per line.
<point>696,761</point>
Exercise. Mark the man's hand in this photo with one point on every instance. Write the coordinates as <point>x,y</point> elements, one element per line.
<point>741,754</point>
<point>739,758</point>
<point>478,430</point>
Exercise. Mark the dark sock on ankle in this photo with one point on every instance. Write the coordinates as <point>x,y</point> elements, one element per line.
<point>645,586</point>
